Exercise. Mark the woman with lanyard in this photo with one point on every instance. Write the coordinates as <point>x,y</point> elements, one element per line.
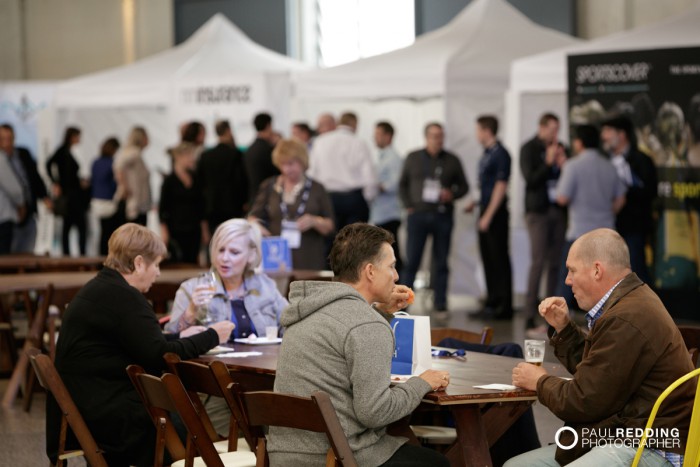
<point>295,207</point>
<point>237,293</point>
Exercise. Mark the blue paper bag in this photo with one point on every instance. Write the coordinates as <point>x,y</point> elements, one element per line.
<point>276,254</point>
<point>412,345</point>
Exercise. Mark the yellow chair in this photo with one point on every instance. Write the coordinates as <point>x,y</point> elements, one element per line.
<point>691,457</point>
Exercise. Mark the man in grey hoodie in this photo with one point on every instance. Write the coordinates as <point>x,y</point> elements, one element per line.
<point>337,341</point>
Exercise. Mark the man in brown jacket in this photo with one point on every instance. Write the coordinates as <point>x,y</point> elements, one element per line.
<point>632,352</point>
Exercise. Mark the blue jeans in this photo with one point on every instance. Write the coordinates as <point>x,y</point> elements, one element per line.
<point>419,226</point>
<point>608,456</point>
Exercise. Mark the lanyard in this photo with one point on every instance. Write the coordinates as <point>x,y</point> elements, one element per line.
<point>302,205</point>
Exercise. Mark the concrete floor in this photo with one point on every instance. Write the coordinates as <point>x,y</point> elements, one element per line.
<point>22,436</point>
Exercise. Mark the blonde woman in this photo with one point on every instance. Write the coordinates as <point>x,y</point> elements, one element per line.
<point>133,177</point>
<point>249,299</point>
<point>295,207</point>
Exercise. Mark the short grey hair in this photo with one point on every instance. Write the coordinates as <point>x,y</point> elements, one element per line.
<point>606,246</point>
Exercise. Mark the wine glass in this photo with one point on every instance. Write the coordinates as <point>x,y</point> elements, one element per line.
<point>206,286</point>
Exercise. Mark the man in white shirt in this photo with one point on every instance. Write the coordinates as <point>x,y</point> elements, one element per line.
<point>342,163</point>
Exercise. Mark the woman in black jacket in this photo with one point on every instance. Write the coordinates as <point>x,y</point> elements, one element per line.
<point>71,193</point>
<point>108,326</point>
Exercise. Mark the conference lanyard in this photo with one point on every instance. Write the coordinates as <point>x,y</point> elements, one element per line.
<point>302,204</point>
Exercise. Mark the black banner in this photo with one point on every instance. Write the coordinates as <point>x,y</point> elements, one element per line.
<point>659,90</point>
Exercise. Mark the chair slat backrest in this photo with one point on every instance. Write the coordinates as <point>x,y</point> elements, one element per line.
<point>198,378</point>
<point>167,394</point>
<point>223,379</point>
<point>315,413</point>
<point>484,337</point>
<point>159,406</point>
<point>50,380</point>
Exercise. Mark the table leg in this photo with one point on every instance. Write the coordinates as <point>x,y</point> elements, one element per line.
<point>471,448</point>
<point>498,418</point>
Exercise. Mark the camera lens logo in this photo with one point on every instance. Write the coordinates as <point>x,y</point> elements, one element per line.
<point>566,447</point>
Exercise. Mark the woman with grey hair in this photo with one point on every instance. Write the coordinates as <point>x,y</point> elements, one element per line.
<point>248,298</point>
<point>133,177</point>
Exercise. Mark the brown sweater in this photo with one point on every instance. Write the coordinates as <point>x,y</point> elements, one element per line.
<point>633,352</point>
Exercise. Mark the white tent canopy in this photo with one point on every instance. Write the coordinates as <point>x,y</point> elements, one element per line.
<point>218,48</point>
<point>217,73</point>
<point>450,75</point>
<point>547,72</point>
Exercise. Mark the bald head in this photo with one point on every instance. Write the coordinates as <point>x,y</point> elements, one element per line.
<point>326,123</point>
<point>605,246</point>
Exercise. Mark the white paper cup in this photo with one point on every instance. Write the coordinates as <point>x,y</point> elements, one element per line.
<point>271,332</point>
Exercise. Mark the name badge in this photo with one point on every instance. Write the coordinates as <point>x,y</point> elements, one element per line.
<point>431,190</point>
<point>291,233</point>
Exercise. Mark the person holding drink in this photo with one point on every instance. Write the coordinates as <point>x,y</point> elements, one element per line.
<point>232,290</point>
<point>631,352</point>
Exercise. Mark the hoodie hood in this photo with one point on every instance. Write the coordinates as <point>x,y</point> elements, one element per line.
<point>307,297</point>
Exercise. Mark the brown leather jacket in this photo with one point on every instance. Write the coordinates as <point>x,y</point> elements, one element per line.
<point>633,352</point>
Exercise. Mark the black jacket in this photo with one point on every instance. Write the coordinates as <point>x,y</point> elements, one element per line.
<point>636,215</point>
<point>224,182</point>
<point>259,166</point>
<point>36,184</point>
<point>536,173</point>
<point>108,326</point>
<point>63,170</point>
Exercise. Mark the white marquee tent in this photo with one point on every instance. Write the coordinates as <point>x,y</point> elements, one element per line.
<point>217,73</point>
<point>450,75</point>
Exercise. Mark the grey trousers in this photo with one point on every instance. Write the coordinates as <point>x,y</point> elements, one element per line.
<point>546,231</point>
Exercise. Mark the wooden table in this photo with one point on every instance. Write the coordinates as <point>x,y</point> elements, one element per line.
<point>62,280</point>
<point>481,416</point>
<point>25,282</point>
<point>34,263</point>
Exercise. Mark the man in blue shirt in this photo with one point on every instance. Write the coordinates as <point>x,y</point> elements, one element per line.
<point>385,211</point>
<point>494,172</point>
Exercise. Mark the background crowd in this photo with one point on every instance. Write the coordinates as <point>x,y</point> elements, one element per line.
<point>309,186</point>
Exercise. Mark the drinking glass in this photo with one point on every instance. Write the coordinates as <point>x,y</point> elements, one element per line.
<point>534,351</point>
<point>206,286</point>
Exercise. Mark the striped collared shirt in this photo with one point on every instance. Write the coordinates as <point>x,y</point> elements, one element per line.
<point>595,312</point>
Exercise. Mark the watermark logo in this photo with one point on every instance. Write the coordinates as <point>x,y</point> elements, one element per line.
<point>651,438</point>
<point>566,447</point>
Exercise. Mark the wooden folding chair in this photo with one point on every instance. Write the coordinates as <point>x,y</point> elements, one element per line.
<point>55,302</point>
<point>315,413</point>
<point>165,395</point>
<point>691,337</point>
<point>199,379</point>
<point>51,381</point>
<point>34,339</point>
<point>484,337</point>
